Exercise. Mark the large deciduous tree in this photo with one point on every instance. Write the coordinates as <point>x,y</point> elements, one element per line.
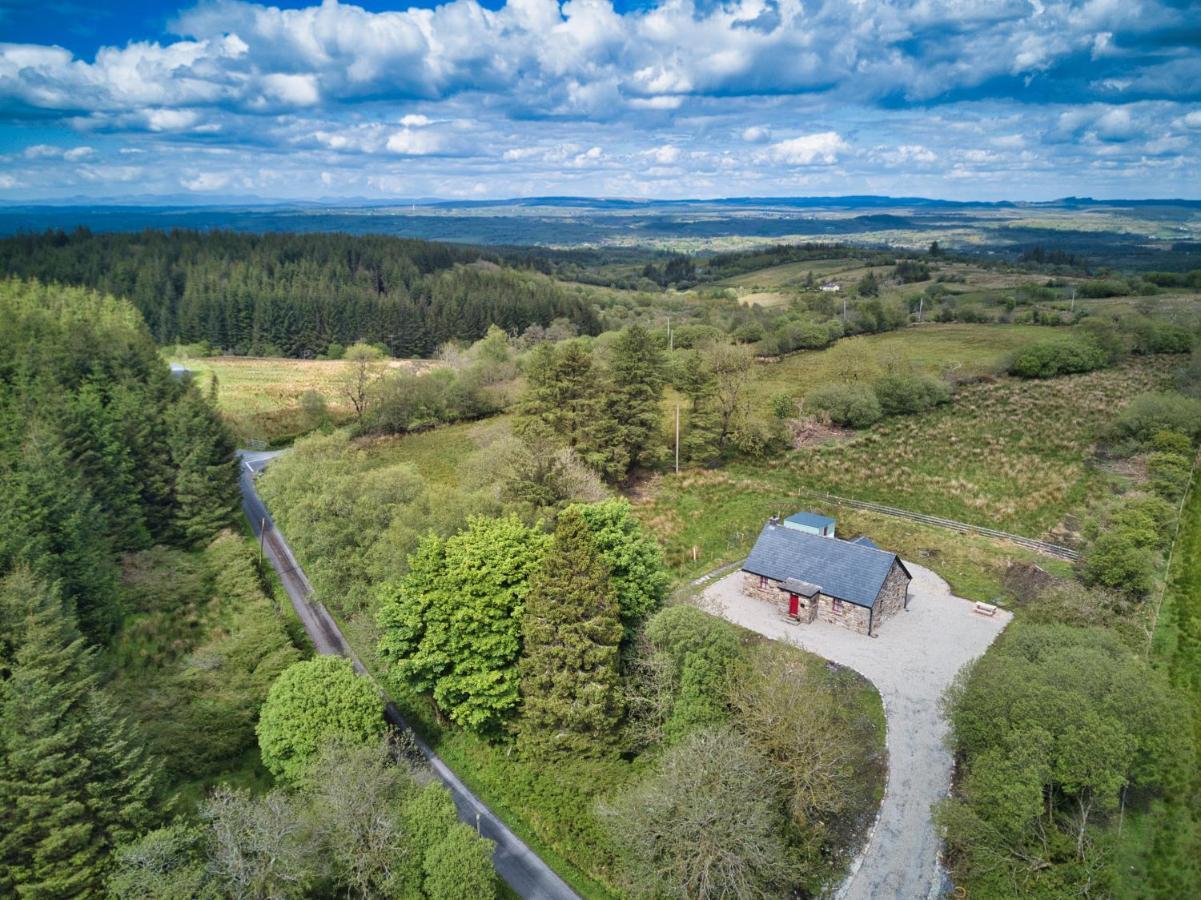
<point>452,625</point>
<point>1052,727</point>
<point>633,559</point>
<point>708,822</point>
<point>569,682</point>
<point>363,367</point>
<point>311,702</point>
<point>730,365</point>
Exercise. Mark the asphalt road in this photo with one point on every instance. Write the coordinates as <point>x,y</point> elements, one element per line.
<point>516,863</point>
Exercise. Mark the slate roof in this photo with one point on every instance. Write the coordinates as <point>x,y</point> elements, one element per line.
<point>846,570</point>
<point>866,542</point>
<point>802,588</point>
<point>813,520</point>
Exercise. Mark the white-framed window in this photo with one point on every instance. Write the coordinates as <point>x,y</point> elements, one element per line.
<point>763,583</point>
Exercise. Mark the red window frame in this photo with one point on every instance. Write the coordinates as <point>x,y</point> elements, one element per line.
<point>763,582</point>
<point>836,604</point>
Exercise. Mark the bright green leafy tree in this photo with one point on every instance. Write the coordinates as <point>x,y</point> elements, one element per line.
<point>452,625</point>
<point>633,559</point>
<point>313,701</point>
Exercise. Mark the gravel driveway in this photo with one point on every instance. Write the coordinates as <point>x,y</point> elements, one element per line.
<point>916,656</point>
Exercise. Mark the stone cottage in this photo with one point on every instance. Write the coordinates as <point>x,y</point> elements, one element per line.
<point>810,576</point>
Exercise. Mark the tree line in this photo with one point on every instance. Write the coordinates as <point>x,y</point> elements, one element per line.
<point>101,452</point>
<point>1076,755</point>
<point>295,294</point>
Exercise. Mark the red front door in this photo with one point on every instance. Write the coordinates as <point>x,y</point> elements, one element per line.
<point>794,605</point>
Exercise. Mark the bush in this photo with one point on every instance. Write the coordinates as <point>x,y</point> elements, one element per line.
<point>1170,473</point>
<point>1117,560</point>
<point>1146,519</point>
<point>1148,414</point>
<point>852,405</point>
<point>311,702</point>
<point>460,865</point>
<point>1167,441</point>
<point>906,394</point>
<point>1058,356</point>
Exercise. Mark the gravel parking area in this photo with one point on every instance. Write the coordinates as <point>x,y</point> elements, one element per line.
<point>915,657</point>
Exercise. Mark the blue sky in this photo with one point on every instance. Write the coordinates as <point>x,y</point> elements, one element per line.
<point>961,99</point>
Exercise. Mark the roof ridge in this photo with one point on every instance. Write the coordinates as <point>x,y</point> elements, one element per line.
<point>834,537</point>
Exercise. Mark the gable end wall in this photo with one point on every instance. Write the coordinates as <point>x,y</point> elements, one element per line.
<point>891,598</point>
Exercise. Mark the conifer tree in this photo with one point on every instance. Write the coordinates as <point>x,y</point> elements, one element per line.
<point>701,427</point>
<point>564,391</point>
<point>74,779</point>
<point>50,523</point>
<point>637,374</point>
<point>206,480</point>
<point>572,630</point>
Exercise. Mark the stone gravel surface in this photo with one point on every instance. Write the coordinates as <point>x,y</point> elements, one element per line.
<point>914,659</point>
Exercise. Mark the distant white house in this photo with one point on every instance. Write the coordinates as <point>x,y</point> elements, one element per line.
<point>831,287</point>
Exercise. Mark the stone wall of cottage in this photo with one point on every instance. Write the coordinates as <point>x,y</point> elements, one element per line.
<point>776,597</point>
<point>841,612</point>
<point>891,599</point>
<point>848,615</point>
<point>770,594</point>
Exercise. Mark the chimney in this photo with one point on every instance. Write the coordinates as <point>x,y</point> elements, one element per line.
<point>774,520</point>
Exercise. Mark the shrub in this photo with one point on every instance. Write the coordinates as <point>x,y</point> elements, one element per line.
<point>1146,519</point>
<point>1170,473</point>
<point>1153,336</point>
<point>460,865</point>
<point>1167,441</point>
<point>311,702</point>
<point>906,394</point>
<point>853,405</point>
<point>1116,560</point>
<point>1058,356</point>
<point>1150,413</point>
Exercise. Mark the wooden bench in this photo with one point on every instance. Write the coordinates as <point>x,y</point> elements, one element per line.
<point>986,609</point>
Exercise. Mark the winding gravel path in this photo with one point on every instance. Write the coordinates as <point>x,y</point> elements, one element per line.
<point>911,663</point>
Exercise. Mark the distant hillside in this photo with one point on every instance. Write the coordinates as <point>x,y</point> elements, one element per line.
<point>295,294</point>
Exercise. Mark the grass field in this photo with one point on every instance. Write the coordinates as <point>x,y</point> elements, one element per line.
<point>720,516</point>
<point>260,397</point>
<point>1005,454</point>
<point>958,350</point>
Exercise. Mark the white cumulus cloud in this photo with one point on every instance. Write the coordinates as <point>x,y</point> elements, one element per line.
<point>822,147</point>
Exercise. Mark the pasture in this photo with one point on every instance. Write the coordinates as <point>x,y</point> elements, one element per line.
<point>1005,454</point>
<point>260,396</point>
<point>958,351</point>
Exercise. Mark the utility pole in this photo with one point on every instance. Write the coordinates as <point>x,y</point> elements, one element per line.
<point>844,310</point>
<point>677,438</point>
<point>671,340</point>
<point>921,303</point>
<point>1073,309</point>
